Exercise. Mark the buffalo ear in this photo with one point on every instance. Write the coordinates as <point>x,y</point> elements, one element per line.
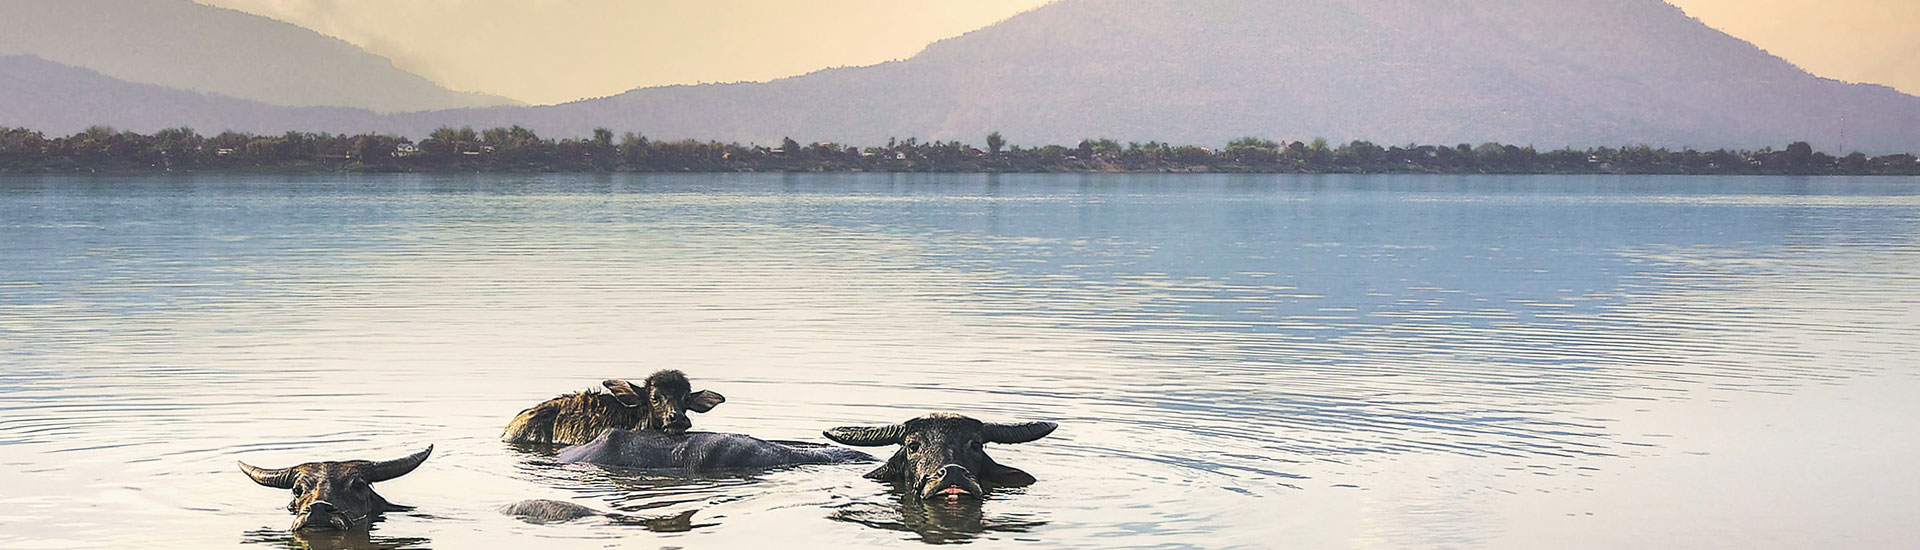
<point>704,400</point>
<point>1006,476</point>
<point>625,393</point>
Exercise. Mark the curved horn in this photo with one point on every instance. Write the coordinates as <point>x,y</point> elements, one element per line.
<point>389,469</point>
<point>281,478</point>
<point>867,436</point>
<point>1016,433</point>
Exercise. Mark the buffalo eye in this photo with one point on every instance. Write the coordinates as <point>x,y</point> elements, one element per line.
<point>978,445</point>
<point>361,486</point>
<point>913,446</point>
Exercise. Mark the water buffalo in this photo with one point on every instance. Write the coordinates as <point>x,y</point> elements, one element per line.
<point>701,452</point>
<point>660,404</point>
<point>944,454</point>
<point>336,495</point>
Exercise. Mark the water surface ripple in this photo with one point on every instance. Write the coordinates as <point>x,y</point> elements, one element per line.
<point>1235,361</point>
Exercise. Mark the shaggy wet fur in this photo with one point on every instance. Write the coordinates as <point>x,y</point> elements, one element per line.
<point>572,419</point>
<point>661,403</point>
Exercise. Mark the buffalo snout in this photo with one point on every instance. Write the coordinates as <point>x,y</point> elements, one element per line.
<point>322,515</point>
<point>678,424</point>
<point>951,482</point>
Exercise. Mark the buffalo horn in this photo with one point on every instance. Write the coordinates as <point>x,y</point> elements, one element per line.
<point>868,436</point>
<point>389,469</point>
<point>276,478</point>
<point>1016,433</point>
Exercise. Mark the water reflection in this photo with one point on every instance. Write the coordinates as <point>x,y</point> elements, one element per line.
<point>1342,361</point>
<point>656,500</point>
<point>937,521</point>
<point>351,539</point>
<point>676,523</point>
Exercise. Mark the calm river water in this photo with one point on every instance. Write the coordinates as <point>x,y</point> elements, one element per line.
<point>1234,361</point>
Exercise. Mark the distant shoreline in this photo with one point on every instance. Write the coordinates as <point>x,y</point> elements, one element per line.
<point>4,174</point>
<point>516,150</point>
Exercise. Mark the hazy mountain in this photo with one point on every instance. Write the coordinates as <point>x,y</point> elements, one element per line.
<point>181,44</point>
<point>1544,72</point>
<point>61,100</point>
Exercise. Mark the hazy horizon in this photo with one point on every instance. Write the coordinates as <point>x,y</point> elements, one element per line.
<point>629,45</point>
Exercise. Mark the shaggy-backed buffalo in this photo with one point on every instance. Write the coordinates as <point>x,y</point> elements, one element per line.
<point>336,495</point>
<point>700,452</point>
<point>660,404</point>
<point>944,454</point>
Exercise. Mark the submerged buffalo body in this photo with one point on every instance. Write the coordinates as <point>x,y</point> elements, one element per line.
<point>543,511</point>
<point>659,404</point>
<point>943,454</point>
<point>701,452</point>
<point>336,495</point>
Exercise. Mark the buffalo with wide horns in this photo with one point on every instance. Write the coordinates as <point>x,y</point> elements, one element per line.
<point>944,454</point>
<point>336,495</point>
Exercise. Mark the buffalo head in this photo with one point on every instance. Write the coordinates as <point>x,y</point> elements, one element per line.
<point>944,455</point>
<point>664,400</point>
<point>336,495</point>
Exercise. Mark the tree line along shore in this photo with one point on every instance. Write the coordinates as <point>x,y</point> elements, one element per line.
<point>101,149</point>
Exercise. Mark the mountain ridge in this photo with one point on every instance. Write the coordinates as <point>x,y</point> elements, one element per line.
<point>185,45</point>
<point>1547,72</point>
<point>61,100</point>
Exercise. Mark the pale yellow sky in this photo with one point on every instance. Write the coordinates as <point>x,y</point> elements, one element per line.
<point>1874,41</point>
<point>551,51</point>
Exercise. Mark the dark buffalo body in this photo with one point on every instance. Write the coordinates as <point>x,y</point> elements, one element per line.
<point>659,404</point>
<point>336,495</point>
<point>697,452</point>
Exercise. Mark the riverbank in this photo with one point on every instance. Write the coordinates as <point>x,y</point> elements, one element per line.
<point>518,150</point>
